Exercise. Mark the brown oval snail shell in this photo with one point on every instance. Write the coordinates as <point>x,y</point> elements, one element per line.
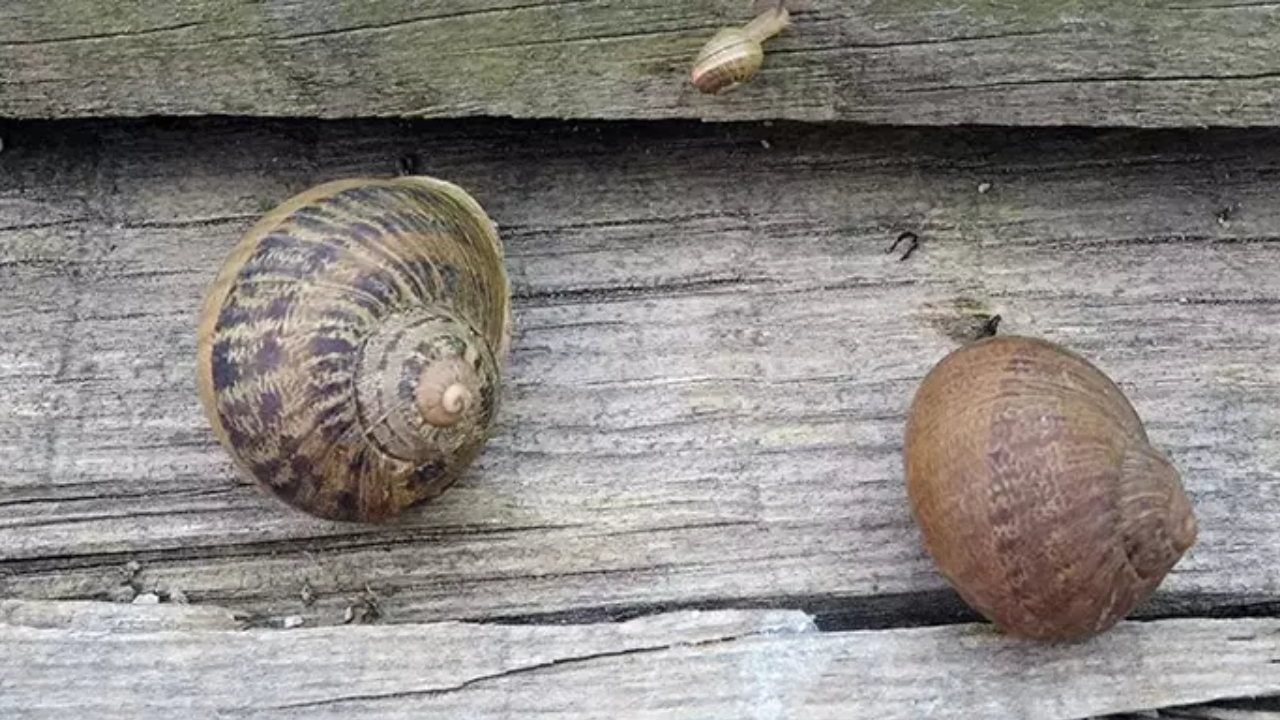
<point>734,55</point>
<point>350,348</point>
<point>1037,492</point>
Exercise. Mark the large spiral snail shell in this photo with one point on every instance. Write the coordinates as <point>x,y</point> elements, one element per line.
<point>350,348</point>
<point>1038,494</point>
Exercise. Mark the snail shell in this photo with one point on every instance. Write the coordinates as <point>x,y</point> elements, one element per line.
<point>1037,492</point>
<point>350,348</point>
<point>734,55</point>
<point>729,59</point>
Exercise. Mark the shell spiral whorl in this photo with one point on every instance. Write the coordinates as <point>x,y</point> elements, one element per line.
<point>351,347</point>
<point>734,55</point>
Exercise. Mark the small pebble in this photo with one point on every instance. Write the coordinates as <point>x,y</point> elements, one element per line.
<point>177,596</point>
<point>349,615</point>
<point>984,188</point>
<point>147,599</point>
<point>766,144</point>
<point>133,567</point>
<point>293,621</point>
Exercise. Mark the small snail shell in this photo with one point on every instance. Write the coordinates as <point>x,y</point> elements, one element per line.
<point>350,348</point>
<point>734,55</point>
<point>1037,493</point>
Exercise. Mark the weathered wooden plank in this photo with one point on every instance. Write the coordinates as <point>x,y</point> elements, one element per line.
<point>1086,62</point>
<point>92,616</point>
<point>705,665</point>
<point>712,364</point>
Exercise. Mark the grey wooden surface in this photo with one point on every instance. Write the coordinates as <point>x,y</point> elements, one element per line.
<point>713,358</point>
<point>725,665</point>
<point>907,62</point>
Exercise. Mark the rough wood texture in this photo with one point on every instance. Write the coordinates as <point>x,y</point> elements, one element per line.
<point>712,363</point>
<point>711,666</point>
<point>93,616</point>
<point>1161,62</point>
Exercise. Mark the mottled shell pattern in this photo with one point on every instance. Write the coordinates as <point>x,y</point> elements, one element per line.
<point>1036,489</point>
<point>350,349</point>
<point>734,55</point>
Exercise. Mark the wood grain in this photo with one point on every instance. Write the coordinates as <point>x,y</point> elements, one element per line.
<point>713,358</point>
<point>910,62</point>
<point>714,665</point>
<point>92,616</point>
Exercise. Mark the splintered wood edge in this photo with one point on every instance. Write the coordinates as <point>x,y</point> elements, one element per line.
<point>708,665</point>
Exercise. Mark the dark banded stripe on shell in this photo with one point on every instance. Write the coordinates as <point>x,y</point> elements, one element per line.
<point>286,323</point>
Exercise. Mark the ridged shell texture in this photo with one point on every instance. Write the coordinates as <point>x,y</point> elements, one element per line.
<point>319,326</point>
<point>1036,489</point>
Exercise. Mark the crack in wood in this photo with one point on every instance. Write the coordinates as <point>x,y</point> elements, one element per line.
<point>36,42</point>
<point>541,297</point>
<point>507,673</point>
<point>505,11</point>
<point>1260,4</point>
<point>1095,80</point>
<point>924,42</point>
<point>198,222</point>
<point>19,227</point>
